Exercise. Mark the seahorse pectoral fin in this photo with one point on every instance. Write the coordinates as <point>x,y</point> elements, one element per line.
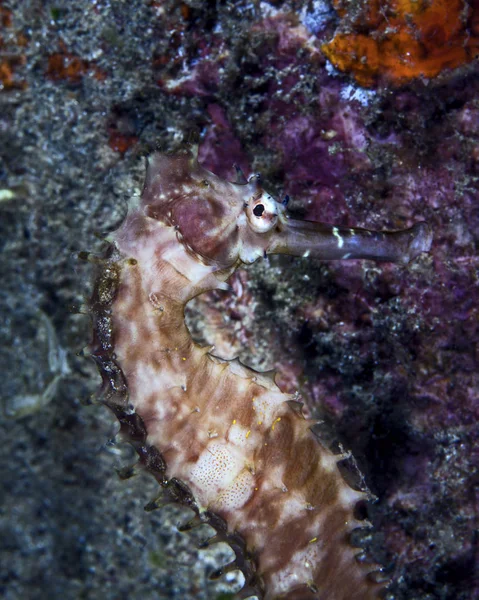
<point>327,242</point>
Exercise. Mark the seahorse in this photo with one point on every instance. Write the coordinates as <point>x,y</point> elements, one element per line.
<point>219,437</point>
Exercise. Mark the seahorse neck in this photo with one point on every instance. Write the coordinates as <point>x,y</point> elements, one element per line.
<point>159,276</point>
<point>166,261</point>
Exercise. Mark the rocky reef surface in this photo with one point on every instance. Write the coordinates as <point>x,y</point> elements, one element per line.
<point>386,356</point>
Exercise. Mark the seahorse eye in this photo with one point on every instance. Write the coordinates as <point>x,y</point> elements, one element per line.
<point>262,213</point>
<point>258,210</point>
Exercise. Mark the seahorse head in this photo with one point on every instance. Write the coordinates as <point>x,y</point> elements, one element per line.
<point>223,222</point>
<point>227,223</point>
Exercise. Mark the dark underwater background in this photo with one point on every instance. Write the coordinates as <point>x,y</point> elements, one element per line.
<point>381,135</point>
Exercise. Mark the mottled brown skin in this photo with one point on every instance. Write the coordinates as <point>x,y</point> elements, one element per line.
<point>244,453</point>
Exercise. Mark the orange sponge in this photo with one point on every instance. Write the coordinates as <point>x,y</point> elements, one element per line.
<point>399,40</point>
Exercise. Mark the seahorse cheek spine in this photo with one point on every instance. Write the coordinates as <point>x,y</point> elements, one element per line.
<point>247,459</point>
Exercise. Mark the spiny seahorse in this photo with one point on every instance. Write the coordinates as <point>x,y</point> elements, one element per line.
<point>219,437</point>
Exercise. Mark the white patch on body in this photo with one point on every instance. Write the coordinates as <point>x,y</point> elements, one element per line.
<point>216,472</point>
<point>237,494</point>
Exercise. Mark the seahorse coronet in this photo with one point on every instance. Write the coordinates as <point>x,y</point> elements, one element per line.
<point>220,438</point>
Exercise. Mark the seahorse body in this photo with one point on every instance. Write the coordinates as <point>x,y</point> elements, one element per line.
<point>218,436</point>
